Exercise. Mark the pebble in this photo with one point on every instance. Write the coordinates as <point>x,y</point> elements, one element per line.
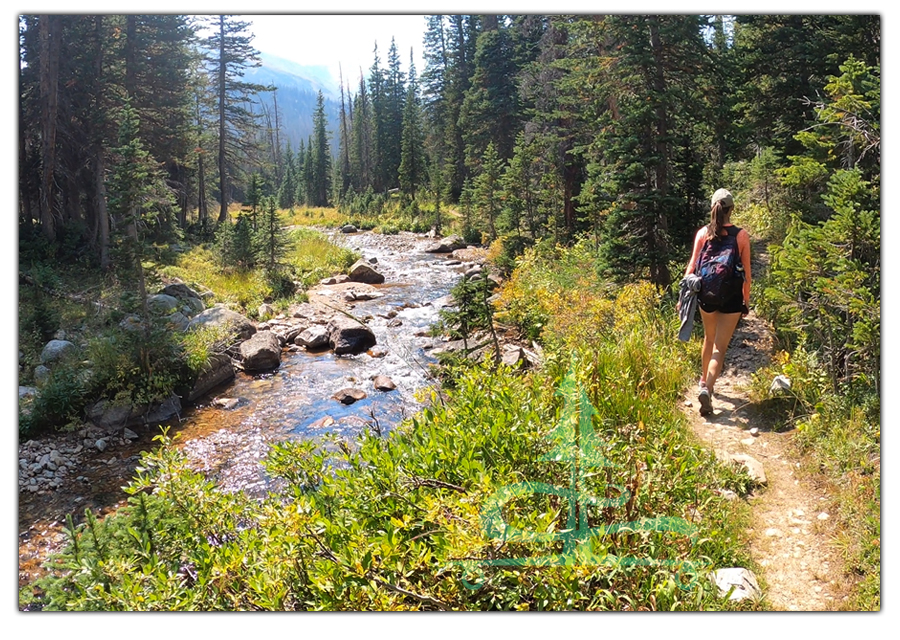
<point>754,431</point>
<point>772,532</point>
<point>101,445</point>
<point>823,516</point>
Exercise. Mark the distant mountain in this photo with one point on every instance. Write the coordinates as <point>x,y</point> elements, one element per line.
<point>297,90</point>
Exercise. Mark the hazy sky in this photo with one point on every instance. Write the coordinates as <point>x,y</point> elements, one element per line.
<point>348,40</point>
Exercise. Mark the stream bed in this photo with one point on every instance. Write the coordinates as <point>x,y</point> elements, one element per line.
<point>293,401</point>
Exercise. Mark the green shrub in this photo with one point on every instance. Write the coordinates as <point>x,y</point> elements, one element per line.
<point>385,524</point>
<point>60,401</point>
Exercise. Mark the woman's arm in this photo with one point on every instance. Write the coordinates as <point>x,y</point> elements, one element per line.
<point>698,245</point>
<point>743,242</point>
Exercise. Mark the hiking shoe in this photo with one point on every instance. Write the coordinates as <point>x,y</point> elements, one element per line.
<point>705,401</point>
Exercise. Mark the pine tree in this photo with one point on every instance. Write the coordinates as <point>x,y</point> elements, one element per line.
<point>362,143</point>
<point>231,53</point>
<point>287,191</point>
<point>255,195</point>
<point>489,111</point>
<point>136,189</point>
<point>319,157</point>
<point>487,190</point>
<point>378,98</point>
<point>641,166</point>
<point>270,242</point>
<point>392,124</point>
<point>412,158</point>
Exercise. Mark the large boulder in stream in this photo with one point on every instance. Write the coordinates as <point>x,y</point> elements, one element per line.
<point>261,352</point>
<point>218,370</point>
<point>446,245</point>
<point>347,335</point>
<point>315,337</point>
<point>112,416</point>
<point>362,271</point>
<point>219,315</point>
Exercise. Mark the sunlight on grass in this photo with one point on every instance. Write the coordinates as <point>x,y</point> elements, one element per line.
<point>313,217</point>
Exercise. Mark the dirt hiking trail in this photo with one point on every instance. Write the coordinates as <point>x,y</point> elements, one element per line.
<point>792,527</point>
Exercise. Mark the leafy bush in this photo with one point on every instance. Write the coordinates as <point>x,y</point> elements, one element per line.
<point>61,401</point>
<point>385,524</point>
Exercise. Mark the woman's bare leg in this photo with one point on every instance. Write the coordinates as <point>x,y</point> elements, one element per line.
<point>723,326</point>
<point>709,339</point>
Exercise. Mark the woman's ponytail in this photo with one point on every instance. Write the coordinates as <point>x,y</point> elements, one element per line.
<point>716,222</point>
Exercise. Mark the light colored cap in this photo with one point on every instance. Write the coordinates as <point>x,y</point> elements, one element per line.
<point>723,196</point>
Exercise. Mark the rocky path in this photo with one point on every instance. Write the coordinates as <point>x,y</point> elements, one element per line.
<point>791,535</point>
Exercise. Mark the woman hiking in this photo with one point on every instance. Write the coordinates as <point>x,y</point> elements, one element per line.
<point>721,258</point>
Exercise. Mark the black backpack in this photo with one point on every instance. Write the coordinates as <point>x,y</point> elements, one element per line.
<point>720,269</point>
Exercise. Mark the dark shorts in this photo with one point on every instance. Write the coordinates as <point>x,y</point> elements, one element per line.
<point>733,305</point>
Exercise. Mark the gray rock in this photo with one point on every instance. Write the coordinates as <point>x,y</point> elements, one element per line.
<point>359,294</point>
<point>362,271</point>
<point>265,311</point>
<point>471,273</point>
<point>60,335</point>
<point>288,334</point>
<point>315,337</point>
<point>162,304</point>
<point>26,392</point>
<point>446,245</point>
<point>165,410</point>
<point>349,396</point>
<point>221,316</point>
<point>181,291</point>
<point>261,352</point>
<point>780,383</point>
<point>743,581</point>
<point>178,321</point>
<point>349,228</point>
<point>56,350</point>
<point>218,370</point>
<point>41,374</point>
<point>338,279</point>
<point>513,356</point>
<point>384,383</point>
<point>346,335</point>
<point>373,260</point>
<point>753,466</point>
<point>101,445</point>
<point>110,417</point>
<point>128,434</point>
<point>226,403</point>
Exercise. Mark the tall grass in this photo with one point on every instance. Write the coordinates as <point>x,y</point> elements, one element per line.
<point>310,258</point>
<point>390,523</point>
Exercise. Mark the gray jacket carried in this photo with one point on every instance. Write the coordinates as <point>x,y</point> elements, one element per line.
<point>687,300</point>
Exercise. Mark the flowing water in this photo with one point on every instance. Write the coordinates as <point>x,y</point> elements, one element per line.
<point>293,401</point>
